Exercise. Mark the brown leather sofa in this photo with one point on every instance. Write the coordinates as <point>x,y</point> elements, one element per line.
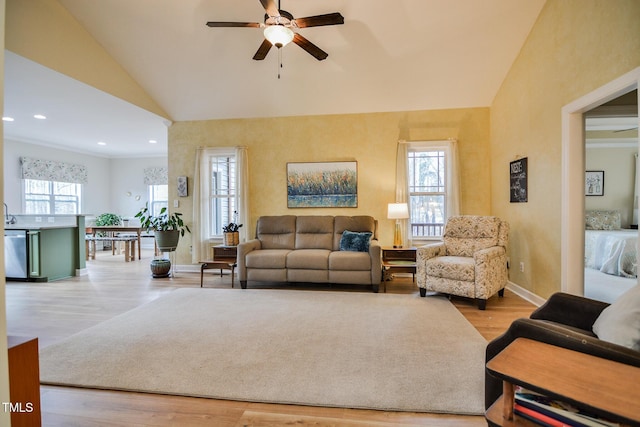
<point>566,321</point>
<point>294,249</point>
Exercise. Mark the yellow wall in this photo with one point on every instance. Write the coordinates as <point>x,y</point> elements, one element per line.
<point>45,32</point>
<point>619,166</point>
<point>370,139</point>
<point>575,47</point>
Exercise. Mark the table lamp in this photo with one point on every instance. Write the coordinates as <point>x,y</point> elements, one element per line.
<point>397,211</point>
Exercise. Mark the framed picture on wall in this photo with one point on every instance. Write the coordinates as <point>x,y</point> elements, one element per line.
<point>518,181</point>
<point>182,186</point>
<point>594,183</point>
<point>322,185</point>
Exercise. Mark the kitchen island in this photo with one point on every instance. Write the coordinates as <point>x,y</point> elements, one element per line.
<point>44,248</point>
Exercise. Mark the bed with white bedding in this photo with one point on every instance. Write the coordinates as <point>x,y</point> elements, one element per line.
<point>612,251</point>
<point>610,256</point>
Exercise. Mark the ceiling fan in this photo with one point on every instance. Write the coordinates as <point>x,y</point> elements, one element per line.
<point>278,29</point>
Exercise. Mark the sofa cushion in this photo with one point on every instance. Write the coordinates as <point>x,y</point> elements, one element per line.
<point>355,241</point>
<point>309,259</point>
<point>352,223</point>
<point>451,267</point>
<point>267,258</point>
<point>347,260</point>
<point>620,322</point>
<point>314,232</point>
<point>277,232</point>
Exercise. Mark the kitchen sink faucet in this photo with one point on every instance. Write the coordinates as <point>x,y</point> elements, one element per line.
<point>7,219</point>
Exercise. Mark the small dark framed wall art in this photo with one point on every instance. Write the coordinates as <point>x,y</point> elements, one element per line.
<point>594,183</point>
<point>518,180</point>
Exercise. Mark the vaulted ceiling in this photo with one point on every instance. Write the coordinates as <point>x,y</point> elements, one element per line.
<point>388,56</point>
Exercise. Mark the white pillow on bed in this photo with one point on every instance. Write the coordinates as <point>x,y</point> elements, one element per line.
<point>620,322</point>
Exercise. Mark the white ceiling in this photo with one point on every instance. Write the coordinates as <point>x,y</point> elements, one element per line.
<point>388,56</point>
<point>78,116</point>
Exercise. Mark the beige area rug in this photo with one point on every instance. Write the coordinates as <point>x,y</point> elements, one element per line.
<point>336,349</point>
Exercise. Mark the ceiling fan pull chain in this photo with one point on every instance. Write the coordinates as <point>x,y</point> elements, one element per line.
<point>279,62</point>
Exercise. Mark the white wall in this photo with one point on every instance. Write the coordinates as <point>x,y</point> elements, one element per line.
<point>127,183</point>
<point>109,180</point>
<point>618,165</point>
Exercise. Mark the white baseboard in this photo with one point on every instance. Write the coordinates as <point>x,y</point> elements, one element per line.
<point>526,294</point>
<point>81,272</point>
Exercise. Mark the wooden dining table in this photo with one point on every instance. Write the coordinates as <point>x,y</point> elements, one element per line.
<point>117,229</point>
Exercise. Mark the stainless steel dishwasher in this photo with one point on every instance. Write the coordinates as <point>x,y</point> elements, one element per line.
<point>15,254</point>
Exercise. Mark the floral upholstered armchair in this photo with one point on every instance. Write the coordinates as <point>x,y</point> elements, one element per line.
<point>471,261</point>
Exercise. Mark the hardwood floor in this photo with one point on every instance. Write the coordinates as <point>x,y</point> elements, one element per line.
<point>53,311</point>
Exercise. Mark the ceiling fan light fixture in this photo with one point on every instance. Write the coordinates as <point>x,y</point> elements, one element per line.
<point>278,35</point>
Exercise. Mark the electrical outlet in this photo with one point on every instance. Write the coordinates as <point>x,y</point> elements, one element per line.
<point>521,267</point>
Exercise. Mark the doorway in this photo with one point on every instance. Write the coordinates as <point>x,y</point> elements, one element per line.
<point>611,231</point>
<point>573,175</point>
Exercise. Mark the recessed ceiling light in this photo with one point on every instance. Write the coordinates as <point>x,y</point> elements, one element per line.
<point>39,117</point>
<point>102,143</point>
<point>153,141</point>
<point>7,119</point>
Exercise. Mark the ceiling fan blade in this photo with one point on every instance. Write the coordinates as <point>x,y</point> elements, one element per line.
<point>319,20</point>
<point>262,50</point>
<point>234,24</point>
<point>270,7</point>
<point>311,48</point>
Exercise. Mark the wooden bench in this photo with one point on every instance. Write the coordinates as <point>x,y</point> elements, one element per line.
<point>129,245</point>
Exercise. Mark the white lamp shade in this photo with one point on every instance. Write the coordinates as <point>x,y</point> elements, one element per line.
<point>278,35</point>
<point>398,211</point>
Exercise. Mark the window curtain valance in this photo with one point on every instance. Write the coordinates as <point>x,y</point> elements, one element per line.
<point>51,170</point>
<point>156,176</point>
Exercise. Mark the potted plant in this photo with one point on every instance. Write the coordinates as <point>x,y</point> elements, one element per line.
<point>167,227</point>
<point>231,233</point>
<point>107,219</point>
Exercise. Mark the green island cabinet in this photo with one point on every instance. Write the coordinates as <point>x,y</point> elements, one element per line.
<point>54,251</point>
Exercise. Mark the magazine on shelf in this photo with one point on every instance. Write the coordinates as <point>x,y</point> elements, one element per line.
<point>563,411</point>
<point>537,417</point>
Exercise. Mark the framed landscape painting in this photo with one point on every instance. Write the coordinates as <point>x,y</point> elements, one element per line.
<point>322,185</point>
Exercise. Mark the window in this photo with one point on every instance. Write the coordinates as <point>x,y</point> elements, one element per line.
<point>158,198</point>
<point>222,198</point>
<point>51,197</point>
<point>426,173</point>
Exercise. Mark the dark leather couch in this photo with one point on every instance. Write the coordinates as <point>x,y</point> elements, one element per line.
<point>565,321</point>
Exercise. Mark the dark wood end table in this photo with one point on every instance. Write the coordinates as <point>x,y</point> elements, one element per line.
<point>397,260</point>
<point>224,258</point>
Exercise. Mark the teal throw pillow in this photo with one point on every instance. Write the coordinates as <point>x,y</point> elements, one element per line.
<point>355,241</point>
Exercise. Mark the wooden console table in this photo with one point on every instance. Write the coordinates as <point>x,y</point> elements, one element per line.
<point>24,381</point>
<point>604,387</point>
